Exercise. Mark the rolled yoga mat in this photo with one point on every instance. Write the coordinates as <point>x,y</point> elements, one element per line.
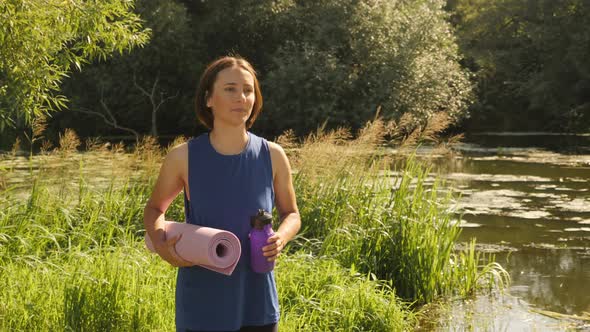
<point>211,248</point>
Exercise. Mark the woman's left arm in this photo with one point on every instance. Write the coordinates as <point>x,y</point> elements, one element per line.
<point>285,201</point>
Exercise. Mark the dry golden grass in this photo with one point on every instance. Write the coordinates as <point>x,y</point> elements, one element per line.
<point>46,146</point>
<point>324,154</point>
<point>3,178</point>
<point>148,155</point>
<point>15,147</point>
<point>288,140</point>
<point>96,144</point>
<point>39,125</point>
<point>68,142</point>
<point>408,133</point>
<point>177,141</point>
<point>147,149</point>
<point>436,124</point>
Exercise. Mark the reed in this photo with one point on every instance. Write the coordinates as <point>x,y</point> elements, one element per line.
<point>126,290</point>
<point>397,227</point>
<point>53,221</point>
<point>75,261</point>
<point>318,294</point>
<point>72,255</point>
<point>113,289</point>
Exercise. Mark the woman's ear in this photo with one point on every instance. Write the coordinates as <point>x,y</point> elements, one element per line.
<point>207,98</point>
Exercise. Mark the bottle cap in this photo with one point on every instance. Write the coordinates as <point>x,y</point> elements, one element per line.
<point>261,219</point>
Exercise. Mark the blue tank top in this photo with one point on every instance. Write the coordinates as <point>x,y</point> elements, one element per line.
<point>225,190</point>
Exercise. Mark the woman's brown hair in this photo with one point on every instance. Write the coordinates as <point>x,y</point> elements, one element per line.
<point>209,77</point>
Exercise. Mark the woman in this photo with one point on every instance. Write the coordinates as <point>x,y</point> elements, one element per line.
<point>227,175</point>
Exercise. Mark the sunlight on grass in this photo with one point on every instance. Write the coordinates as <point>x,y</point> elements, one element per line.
<point>373,248</point>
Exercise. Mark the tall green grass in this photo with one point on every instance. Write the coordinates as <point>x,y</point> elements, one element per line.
<point>400,228</point>
<point>318,294</point>
<point>50,223</point>
<point>115,289</point>
<point>72,255</point>
<point>397,229</point>
<point>74,260</point>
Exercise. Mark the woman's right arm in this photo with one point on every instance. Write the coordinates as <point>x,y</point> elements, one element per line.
<point>169,183</point>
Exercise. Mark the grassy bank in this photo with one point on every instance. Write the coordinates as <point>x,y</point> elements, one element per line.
<point>72,256</point>
<point>80,265</point>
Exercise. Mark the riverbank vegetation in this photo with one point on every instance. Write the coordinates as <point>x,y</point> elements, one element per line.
<point>529,60</point>
<point>374,247</point>
<point>512,65</point>
<point>330,61</point>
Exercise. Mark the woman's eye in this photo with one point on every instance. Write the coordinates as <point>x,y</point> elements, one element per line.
<point>230,89</point>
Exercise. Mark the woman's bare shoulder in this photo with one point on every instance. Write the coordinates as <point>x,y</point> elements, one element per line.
<point>274,146</point>
<point>178,152</point>
<point>276,151</point>
<point>176,161</point>
<point>279,160</point>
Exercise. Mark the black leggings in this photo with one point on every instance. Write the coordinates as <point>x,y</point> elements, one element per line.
<point>263,328</point>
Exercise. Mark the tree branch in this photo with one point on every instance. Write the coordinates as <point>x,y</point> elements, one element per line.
<point>151,96</point>
<point>110,120</point>
<point>112,123</point>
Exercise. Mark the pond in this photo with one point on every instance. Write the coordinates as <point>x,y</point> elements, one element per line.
<point>526,197</point>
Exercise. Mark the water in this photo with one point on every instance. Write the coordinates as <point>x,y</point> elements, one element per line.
<point>526,198</point>
<point>99,169</point>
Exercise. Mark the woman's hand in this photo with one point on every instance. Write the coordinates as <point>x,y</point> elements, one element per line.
<point>169,254</point>
<point>276,243</point>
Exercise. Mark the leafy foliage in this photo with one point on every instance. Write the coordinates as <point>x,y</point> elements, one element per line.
<point>41,42</point>
<point>317,60</point>
<point>355,57</point>
<point>531,62</point>
<point>166,66</point>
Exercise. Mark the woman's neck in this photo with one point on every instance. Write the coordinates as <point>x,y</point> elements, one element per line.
<point>228,140</point>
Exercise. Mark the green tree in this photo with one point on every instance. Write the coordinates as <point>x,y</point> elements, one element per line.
<point>530,57</point>
<point>331,60</point>
<point>41,42</point>
<point>130,86</point>
<point>340,60</point>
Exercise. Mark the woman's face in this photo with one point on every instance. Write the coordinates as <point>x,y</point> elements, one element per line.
<point>233,96</point>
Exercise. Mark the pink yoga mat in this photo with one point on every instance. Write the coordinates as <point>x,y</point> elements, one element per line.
<point>213,249</point>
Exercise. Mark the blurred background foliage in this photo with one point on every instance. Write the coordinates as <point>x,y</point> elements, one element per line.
<point>531,63</point>
<point>41,42</point>
<point>517,65</point>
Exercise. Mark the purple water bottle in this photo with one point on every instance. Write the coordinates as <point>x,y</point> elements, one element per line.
<point>261,230</point>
